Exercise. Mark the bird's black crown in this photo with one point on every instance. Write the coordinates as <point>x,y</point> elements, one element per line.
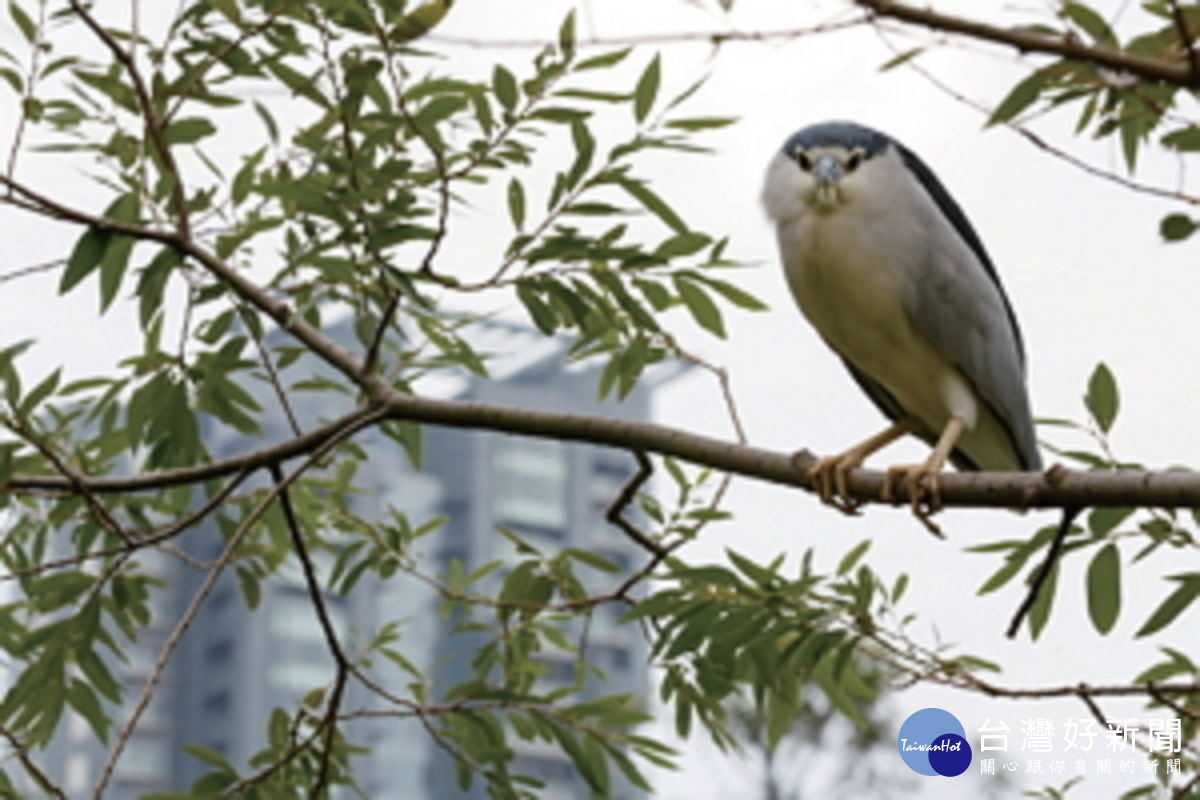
<point>849,135</point>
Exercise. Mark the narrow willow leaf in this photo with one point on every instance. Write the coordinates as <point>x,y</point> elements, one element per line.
<point>604,59</point>
<point>189,131</point>
<point>1090,23</point>
<point>1104,588</point>
<point>647,89</point>
<point>24,22</point>
<point>1173,606</point>
<point>504,85</point>
<point>654,204</point>
<point>1023,95</point>
<point>903,58</point>
<point>1039,613</point>
<point>852,558</point>
<point>1104,520</point>
<point>1103,400</point>
<point>516,203</point>
<point>701,306</point>
<point>566,36</point>
<point>84,258</point>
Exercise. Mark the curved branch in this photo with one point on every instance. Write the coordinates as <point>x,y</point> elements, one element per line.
<point>1027,41</point>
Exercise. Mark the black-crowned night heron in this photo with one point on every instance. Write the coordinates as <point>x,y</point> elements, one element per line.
<point>886,267</point>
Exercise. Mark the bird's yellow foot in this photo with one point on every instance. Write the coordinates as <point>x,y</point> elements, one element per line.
<point>921,481</point>
<point>829,480</point>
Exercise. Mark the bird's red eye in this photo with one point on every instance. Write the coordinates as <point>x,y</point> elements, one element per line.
<point>853,161</point>
<point>804,161</point>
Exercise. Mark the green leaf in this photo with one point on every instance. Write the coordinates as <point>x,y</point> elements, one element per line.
<point>852,558</point>
<point>152,283</point>
<point>1102,521</point>
<point>84,258</point>
<point>1173,606</point>
<point>566,36</point>
<point>516,203</point>
<point>504,85</point>
<point>700,123</point>
<point>1020,98</point>
<point>1089,22</point>
<point>682,244</point>
<point>647,89</point>
<point>251,587</point>
<point>1186,139</point>
<point>653,203</point>
<point>1102,399</point>
<point>1039,613</point>
<point>700,305</point>
<point>24,22</point>
<point>604,59</point>
<point>83,699</point>
<point>1176,227</point>
<point>31,403</point>
<point>210,757</point>
<point>113,267</point>
<point>1104,588</point>
<point>420,21</point>
<point>734,294</point>
<point>189,130</point>
<point>902,58</point>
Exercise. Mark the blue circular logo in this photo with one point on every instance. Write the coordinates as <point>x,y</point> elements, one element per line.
<point>933,742</point>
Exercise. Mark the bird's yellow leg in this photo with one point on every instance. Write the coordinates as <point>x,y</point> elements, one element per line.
<point>922,478</point>
<point>829,475</point>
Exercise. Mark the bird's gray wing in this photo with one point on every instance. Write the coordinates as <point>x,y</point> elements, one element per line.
<point>960,307</point>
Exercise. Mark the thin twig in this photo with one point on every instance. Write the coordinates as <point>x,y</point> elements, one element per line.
<point>616,510</point>
<point>1027,41</point>
<point>77,483</point>
<point>155,127</point>
<point>716,38</point>
<point>201,594</point>
<point>139,541</point>
<point>1040,143</point>
<point>264,357</point>
<point>37,773</point>
<point>37,48</point>
<point>1043,574</point>
<point>32,270</point>
<point>329,722</point>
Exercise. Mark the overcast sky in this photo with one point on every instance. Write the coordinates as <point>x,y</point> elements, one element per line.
<point>1080,258</point>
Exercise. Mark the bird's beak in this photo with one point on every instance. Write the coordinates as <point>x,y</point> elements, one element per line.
<point>827,172</point>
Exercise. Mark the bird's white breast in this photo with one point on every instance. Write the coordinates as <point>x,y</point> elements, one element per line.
<point>852,268</point>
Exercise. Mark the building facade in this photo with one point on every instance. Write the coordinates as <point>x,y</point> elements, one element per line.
<point>236,664</point>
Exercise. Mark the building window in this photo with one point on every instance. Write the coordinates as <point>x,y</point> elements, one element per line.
<point>530,485</point>
<point>294,620</point>
<point>611,658</point>
<point>217,704</point>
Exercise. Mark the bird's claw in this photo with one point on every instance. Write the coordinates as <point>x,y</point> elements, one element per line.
<point>924,494</point>
<point>829,481</point>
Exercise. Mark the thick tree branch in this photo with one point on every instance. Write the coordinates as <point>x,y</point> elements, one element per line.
<point>1055,489</point>
<point>1026,41</point>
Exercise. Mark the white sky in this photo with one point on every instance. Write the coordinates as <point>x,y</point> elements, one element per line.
<point>1080,258</point>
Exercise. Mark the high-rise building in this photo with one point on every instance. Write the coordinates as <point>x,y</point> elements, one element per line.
<point>235,664</point>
